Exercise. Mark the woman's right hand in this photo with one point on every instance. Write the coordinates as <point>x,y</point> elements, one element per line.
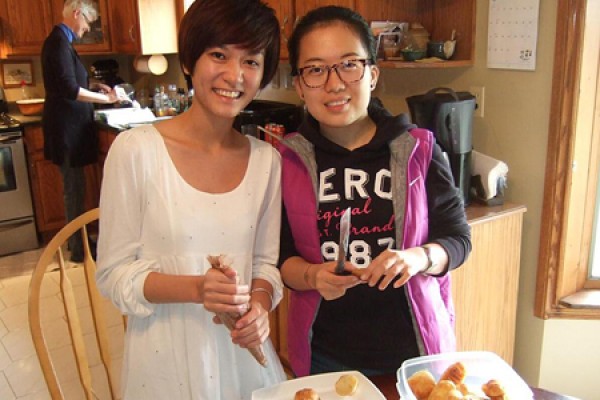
<point>330,285</point>
<point>222,293</point>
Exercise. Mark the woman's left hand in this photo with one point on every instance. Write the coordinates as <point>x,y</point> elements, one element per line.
<point>392,264</point>
<point>253,328</point>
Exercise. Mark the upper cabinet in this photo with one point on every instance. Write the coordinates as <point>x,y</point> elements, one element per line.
<point>143,26</point>
<point>25,26</point>
<point>440,18</point>
<point>27,23</point>
<point>286,16</point>
<point>97,40</point>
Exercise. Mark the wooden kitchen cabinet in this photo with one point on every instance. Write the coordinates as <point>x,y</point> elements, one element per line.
<point>286,16</point>
<point>25,31</point>
<point>105,139</point>
<point>440,18</point>
<point>143,26</point>
<point>47,186</point>
<point>25,26</point>
<point>95,41</point>
<point>485,289</point>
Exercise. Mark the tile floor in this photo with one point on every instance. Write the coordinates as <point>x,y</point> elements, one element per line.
<point>20,373</point>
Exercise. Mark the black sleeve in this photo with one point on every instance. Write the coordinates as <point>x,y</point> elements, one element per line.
<point>447,219</point>
<point>287,248</point>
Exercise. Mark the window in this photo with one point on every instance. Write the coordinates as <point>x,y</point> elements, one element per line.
<point>595,247</point>
<point>564,287</point>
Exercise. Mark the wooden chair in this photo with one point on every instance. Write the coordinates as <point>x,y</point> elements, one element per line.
<point>81,349</point>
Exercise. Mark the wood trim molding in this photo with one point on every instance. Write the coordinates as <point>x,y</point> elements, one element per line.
<point>570,25</point>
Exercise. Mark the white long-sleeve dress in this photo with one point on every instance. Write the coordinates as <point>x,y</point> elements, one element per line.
<point>152,220</point>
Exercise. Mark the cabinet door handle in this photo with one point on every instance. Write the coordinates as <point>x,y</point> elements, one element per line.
<point>131,33</point>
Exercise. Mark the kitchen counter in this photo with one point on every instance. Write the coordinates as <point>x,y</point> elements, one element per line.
<point>13,111</point>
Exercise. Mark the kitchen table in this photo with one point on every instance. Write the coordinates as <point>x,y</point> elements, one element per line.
<point>387,385</point>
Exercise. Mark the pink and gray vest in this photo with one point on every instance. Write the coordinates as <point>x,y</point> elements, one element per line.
<point>430,298</point>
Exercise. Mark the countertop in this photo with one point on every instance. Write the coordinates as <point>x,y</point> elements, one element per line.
<point>24,119</point>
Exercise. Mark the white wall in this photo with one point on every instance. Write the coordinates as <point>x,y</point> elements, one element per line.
<point>515,129</point>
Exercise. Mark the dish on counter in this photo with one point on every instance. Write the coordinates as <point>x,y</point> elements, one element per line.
<point>323,384</point>
<point>31,106</point>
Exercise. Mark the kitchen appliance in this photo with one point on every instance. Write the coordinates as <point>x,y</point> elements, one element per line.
<point>449,115</point>
<point>3,102</point>
<point>106,71</point>
<point>489,179</point>
<point>263,112</point>
<point>17,224</point>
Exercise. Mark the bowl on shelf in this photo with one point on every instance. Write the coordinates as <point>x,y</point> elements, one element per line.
<point>31,106</point>
<point>413,55</point>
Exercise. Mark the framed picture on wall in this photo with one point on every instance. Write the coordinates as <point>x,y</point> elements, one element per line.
<point>16,72</point>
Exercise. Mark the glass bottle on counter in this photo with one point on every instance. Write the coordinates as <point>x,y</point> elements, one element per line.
<point>173,106</point>
<point>24,94</point>
<point>161,101</point>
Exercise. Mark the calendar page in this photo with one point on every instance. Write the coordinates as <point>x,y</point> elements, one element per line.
<point>512,34</point>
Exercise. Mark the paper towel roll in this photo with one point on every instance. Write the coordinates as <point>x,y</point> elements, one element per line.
<point>491,171</point>
<point>155,64</point>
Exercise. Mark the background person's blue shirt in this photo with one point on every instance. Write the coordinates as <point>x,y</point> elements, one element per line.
<point>68,31</point>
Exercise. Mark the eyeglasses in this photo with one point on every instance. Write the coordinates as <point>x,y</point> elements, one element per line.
<point>349,71</point>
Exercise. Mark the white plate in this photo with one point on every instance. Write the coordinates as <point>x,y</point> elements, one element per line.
<point>323,384</point>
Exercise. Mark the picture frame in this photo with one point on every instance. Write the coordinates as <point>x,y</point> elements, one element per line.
<point>16,71</point>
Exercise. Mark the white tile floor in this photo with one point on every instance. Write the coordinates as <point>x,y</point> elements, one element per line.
<point>20,373</point>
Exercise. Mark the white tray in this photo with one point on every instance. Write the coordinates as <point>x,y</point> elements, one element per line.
<point>323,384</point>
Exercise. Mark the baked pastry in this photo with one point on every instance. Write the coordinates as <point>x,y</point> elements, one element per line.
<point>421,383</point>
<point>346,385</point>
<point>455,394</point>
<point>442,390</point>
<point>455,373</point>
<point>494,390</point>
<point>306,394</point>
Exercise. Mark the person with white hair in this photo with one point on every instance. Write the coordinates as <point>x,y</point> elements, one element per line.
<point>70,140</point>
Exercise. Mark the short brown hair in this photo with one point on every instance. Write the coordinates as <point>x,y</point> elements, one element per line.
<point>250,24</point>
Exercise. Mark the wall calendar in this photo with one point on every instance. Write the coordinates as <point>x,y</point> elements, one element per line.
<point>512,34</point>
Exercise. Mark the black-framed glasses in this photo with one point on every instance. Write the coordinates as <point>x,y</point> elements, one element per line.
<point>349,71</point>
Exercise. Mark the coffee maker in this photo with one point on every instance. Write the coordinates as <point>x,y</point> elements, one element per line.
<point>449,115</point>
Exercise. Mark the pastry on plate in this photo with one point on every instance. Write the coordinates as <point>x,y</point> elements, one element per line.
<point>455,373</point>
<point>421,383</point>
<point>306,394</point>
<point>494,390</point>
<point>346,385</point>
<point>443,390</point>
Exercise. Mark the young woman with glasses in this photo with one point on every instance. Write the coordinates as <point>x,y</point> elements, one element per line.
<point>408,225</point>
